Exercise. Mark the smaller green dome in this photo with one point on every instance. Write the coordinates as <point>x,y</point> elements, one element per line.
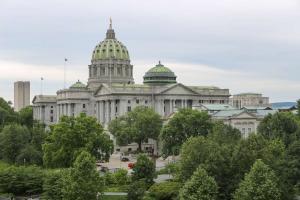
<point>159,75</point>
<point>77,85</point>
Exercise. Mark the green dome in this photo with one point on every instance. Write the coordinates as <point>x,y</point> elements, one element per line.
<point>110,48</point>
<point>159,75</point>
<point>77,85</point>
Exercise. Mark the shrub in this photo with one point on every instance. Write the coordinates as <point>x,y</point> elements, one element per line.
<point>137,190</point>
<point>21,180</point>
<point>53,184</point>
<point>121,177</point>
<point>164,191</point>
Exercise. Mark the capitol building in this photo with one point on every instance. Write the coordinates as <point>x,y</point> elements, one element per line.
<point>111,91</point>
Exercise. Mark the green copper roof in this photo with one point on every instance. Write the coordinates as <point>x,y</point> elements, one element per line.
<point>160,69</point>
<point>159,75</point>
<point>78,84</point>
<point>110,48</point>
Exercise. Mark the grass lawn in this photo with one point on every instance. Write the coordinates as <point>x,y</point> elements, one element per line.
<point>107,197</point>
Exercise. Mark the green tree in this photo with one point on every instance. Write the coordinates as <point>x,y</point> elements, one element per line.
<point>29,156</point>
<point>121,177</point>
<point>200,151</point>
<point>138,126</point>
<point>38,136</point>
<point>53,184</point>
<point>21,180</point>
<point>164,191</point>
<point>224,134</point>
<point>120,128</point>
<point>281,125</point>
<point>201,187</point>
<point>260,184</point>
<point>227,138</point>
<point>271,152</point>
<point>32,153</point>
<point>72,135</point>
<point>184,124</point>
<point>26,116</point>
<point>7,114</point>
<point>214,157</point>
<point>144,168</point>
<point>137,189</point>
<point>13,139</point>
<point>292,167</point>
<point>83,181</point>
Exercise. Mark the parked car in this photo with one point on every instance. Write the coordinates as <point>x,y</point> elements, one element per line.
<point>125,158</point>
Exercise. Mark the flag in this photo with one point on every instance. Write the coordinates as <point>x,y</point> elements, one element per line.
<point>66,60</point>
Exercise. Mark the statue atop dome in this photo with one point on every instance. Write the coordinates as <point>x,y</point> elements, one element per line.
<point>110,34</point>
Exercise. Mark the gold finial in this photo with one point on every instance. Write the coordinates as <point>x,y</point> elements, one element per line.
<point>110,23</point>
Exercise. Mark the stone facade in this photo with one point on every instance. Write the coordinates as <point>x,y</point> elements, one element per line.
<point>111,92</point>
<point>245,120</point>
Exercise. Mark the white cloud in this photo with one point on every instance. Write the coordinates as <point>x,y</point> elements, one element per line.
<point>187,73</point>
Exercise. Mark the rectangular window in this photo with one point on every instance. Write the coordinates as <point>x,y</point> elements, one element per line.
<point>119,71</point>
<point>249,130</point>
<point>51,119</point>
<point>129,108</point>
<point>129,101</point>
<point>83,105</point>
<point>146,101</point>
<point>51,111</point>
<point>137,101</point>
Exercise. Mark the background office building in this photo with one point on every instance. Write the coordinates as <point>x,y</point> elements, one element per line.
<point>21,94</point>
<point>249,99</point>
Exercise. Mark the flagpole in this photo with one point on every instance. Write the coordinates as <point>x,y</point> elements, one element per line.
<point>65,63</point>
<point>42,85</point>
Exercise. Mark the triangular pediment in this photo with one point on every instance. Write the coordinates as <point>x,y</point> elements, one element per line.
<point>102,90</point>
<point>179,89</point>
<point>244,115</point>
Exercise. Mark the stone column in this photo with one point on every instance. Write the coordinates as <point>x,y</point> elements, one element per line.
<point>113,109</point>
<point>173,105</point>
<point>107,114</point>
<point>170,105</point>
<point>97,111</point>
<point>101,111</point>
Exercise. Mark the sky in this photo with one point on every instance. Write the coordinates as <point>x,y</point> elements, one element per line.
<point>242,45</point>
